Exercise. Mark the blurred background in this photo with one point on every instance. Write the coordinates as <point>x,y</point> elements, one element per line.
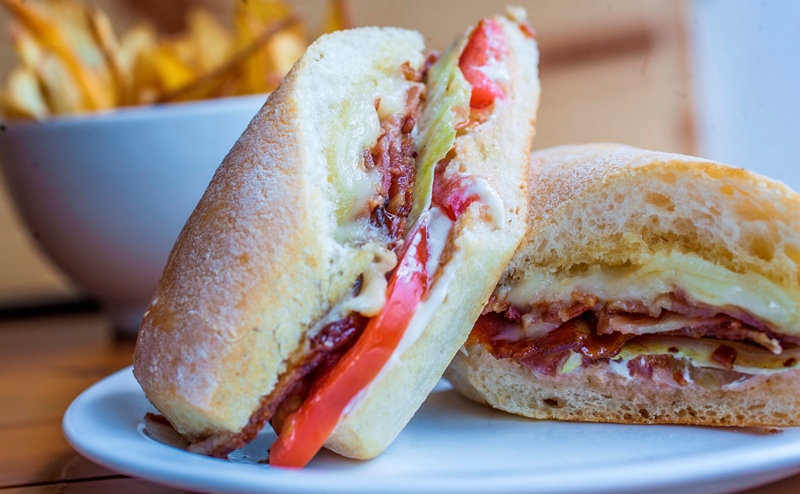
<point>611,70</point>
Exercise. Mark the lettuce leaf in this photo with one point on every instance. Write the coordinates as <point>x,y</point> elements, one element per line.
<point>571,363</point>
<point>447,106</point>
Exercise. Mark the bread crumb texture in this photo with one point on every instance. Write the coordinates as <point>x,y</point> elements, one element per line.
<point>597,394</point>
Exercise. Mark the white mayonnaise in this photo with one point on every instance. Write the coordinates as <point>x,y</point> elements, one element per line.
<point>490,198</point>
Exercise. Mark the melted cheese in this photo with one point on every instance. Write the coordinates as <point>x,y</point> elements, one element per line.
<point>372,296</point>
<point>700,353</point>
<point>439,228</point>
<point>360,129</point>
<point>699,279</point>
<point>392,97</point>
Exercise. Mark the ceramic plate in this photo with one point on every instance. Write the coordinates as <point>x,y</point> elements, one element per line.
<point>451,446</point>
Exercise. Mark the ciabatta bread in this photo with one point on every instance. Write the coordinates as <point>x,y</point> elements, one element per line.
<point>261,264</point>
<point>628,239</point>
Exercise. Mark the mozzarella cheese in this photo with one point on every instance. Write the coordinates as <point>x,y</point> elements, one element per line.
<point>699,279</point>
<point>372,296</point>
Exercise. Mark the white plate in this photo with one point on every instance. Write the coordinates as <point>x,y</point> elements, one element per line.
<point>451,446</point>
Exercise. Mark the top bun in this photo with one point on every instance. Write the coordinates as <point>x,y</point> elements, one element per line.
<point>612,204</point>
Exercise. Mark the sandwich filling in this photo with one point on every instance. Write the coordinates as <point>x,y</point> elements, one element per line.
<point>419,224</point>
<point>676,319</point>
<point>408,206</point>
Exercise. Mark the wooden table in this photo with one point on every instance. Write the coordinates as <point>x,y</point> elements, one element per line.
<point>45,362</point>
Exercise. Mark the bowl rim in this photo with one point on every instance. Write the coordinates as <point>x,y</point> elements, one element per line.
<point>140,112</point>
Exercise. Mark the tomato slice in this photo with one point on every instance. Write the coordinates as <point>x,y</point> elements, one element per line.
<point>307,429</point>
<point>486,45</point>
<point>451,194</point>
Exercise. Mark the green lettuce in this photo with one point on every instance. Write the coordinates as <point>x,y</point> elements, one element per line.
<point>571,363</point>
<point>447,106</point>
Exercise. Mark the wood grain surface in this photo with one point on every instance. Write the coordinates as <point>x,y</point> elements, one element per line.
<point>44,364</point>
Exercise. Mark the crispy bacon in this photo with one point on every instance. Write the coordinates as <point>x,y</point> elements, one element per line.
<point>582,303</point>
<point>631,307</point>
<point>323,350</point>
<point>496,305</point>
<point>514,314</point>
<point>395,159</point>
<point>725,356</point>
<point>547,352</point>
<point>546,333</point>
<point>718,326</point>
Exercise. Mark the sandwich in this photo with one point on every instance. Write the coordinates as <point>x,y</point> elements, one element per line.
<point>347,243</point>
<point>649,288</point>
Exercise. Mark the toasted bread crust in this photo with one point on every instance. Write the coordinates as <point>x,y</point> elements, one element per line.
<point>613,204</point>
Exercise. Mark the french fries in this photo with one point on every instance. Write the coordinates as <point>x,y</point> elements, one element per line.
<point>72,61</point>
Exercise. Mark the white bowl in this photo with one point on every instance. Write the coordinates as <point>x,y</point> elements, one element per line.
<point>106,195</point>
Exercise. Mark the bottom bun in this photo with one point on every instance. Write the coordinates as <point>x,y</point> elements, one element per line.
<point>597,394</point>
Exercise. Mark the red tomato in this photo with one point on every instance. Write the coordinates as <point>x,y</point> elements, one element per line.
<point>487,43</point>
<point>307,429</point>
<point>451,194</point>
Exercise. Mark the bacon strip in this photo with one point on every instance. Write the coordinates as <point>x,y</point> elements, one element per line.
<point>395,159</point>
<point>548,352</point>
<point>599,330</point>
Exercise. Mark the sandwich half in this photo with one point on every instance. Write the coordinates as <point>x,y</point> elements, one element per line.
<point>347,243</point>
<point>650,288</point>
